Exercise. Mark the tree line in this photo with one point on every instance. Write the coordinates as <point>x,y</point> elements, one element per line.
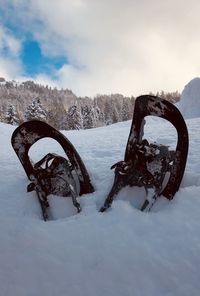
<point>62,109</point>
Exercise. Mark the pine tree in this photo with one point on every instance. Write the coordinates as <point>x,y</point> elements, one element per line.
<point>2,114</point>
<point>36,111</point>
<point>11,115</point>
<point>107,112</point>
<point>88,117</point>
<point>98,116</point>
<point>126,109</point>
<point>57,115</point>
<point>74,118</point>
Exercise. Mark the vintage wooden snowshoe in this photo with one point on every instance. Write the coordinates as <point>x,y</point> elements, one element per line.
<point>53,174</point>
<point>151,165</point>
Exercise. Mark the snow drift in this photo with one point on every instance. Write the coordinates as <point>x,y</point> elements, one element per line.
<point>120,252</point>
<point>189,104</point>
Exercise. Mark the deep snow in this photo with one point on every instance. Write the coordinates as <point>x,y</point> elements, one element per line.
<point>120,252</point>
<point>189,104</point>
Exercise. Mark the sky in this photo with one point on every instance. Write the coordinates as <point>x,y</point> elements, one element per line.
<point>95,47</point>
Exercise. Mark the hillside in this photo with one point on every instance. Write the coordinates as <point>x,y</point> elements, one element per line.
<point>62,108</point>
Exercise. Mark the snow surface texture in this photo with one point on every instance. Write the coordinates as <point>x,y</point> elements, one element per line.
<point>122,252</point>
<point>189,104</point>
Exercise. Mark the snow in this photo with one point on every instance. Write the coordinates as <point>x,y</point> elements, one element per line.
<point>190,99</point>
<point>119,252</point>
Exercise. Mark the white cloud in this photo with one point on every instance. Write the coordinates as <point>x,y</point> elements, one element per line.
<point>129,46</point>
<point>9,68</point>
<point>10,46</point>
<point>9,43</point>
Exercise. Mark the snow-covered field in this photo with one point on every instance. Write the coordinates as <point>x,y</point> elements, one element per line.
<point>122,252</point>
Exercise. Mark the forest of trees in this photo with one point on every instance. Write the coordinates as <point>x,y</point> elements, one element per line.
<point>62,108</point>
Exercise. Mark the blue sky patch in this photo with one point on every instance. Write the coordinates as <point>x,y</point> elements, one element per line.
<point>35,62</point>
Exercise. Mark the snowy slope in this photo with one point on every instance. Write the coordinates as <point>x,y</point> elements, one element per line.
<point>120,252</point>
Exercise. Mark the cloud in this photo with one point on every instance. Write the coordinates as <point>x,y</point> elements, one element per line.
<point>9,43</point>
<point>129,46</point>
<point>10,46</point>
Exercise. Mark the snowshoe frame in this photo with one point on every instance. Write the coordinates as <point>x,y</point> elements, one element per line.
<point>29,133</point>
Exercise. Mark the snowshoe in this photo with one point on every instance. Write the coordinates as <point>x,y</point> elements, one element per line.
<point>53,174</point>
<point>151,165</point>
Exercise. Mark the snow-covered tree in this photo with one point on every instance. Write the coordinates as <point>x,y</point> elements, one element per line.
<point>36,111</point>
<point>98,117</point>
<point>103,109</point>
<point>126,111</point>
<point>2,114</point>
<point>108,112</point>
<point>88,116</point>
<point>11,115</point>
<point>74,118</point>
<point>57,115</point>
